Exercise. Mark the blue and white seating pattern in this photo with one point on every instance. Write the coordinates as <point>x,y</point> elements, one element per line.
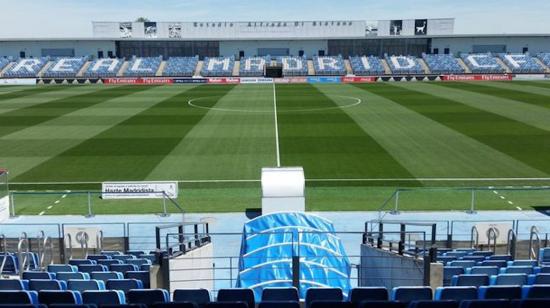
<point>404,65</point>
<point>443,64</point>
<point>544,58</point>
<point>143,67</point>
<point>26,68</point>
<point>180,66</point>
<point>253,66</point>
<point>3,63</point>
<point>104,68</point>
<point>293,66</point>
<point>329,66</point>
<point>367,66</point>
<point>65,67</point>
<point>218,67</point>
<point>522,63</point>
<point>484,63</point>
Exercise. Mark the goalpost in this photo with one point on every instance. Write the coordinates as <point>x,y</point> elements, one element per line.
<point>4,196</point>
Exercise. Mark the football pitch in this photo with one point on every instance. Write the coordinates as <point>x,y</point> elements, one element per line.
<point>357,144</point>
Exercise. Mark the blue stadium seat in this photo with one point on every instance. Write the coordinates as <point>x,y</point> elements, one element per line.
<point>177,67</point>
<point>18,297</point>
<point>280,294</point>
<point>545,269</point>
<point>470,280</point>
<point>10,265</point>
<point>434,304</point>
<point>111,253</point>
<point>56,268</point>
<point>123,268</point>
<point>65,67</point>
<point>536,291</point>
<point>522,63</point>
<point>143,67</point>
<point>98,257</point>
<point>135,253</point>
<point>49,285</point>
<point>226,305</point>
<point>358,295</point>
<point>484,270</point>
<point>482,253</point>
<point>124,284</point>
<point>101,68</point>
<point>404,65</point>
<point>89,268</point>
<point>509,279</point>
<point>104,276</point>
<point>500,292</point>
<point>523,263</point>
<point>446,260</point>
<point>329,66</point>
<point>463,263</point>
<point>408,294</point>
<point>175,305</point>
<point>26,68</point>
<point>109,262</point>
<point>104,297</point>
<point>275,304</point>
<point>293,66</point>
<point>457,254</point>
<point>59,297</point>
<point>482,63</point>
<point>497,263</point>
<point>148,297</point>
<point>12,285</point>
<point>449,272</point>
<point>443,64</point>
<point>237,295</point>
<point>331,304</point>
<point>253,66</point>
<point>368,66</point>
<point>382,304</point>
<point>83,285</point>
<point>529,270</point>
<point>65,276</point>
<point>456,293</point>
<point>474,258</point>
<point>139,275</point>
<point>531,303</point>
<point>38,275</point>
<point>71,306</point>
<point>506,258</point>
<point>542,279</point>
<point>495,303</point>
<point>197,296</point>
<point>138,262</point>
<point>218,66</point>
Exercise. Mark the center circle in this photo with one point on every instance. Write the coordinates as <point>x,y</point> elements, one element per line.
<point>195,102</point>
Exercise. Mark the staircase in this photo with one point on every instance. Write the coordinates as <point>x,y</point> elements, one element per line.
<point>10,65</point>
<point>236,69</point>
<point>198,69</point>
<point>44,69</point>
<point>161,69</point>
<point>310,68</point>
<point>123,69</point>
<point>546,68</point>
<point>461,62</point>
<point>386,66</point>
<point>425,66</point>
<point>501,63</point>
<point>83,69</point>
<point>347,65</point>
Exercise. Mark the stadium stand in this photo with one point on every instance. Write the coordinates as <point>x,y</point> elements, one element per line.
<point>367,66</point>
<point>482,63</point>
<point>104,68</point>
<point>143,67</point>
<point>180,66</point>
<point>26,68</point>
<point>404,65</point>
<point>253,66</point>
<point>218,67</point>
<point>329,66</point>
<point>3,63</point>
<point>544,58</point>
<point>522,63</point>
<point>443,64</point>
<point>65,67</point>
<point>293,66</point>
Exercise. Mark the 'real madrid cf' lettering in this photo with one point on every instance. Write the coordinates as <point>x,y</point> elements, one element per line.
<point>256,63</point>
<point>327,62</point>
<point>213,63</point>
<point>402,62</point>
<point>110,64</point>
<point>473,59</point>
<point>27,64</point>
<point>64,65</point>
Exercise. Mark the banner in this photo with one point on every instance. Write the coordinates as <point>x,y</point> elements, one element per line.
<point>503,77</point>
<point>252,80</point>
<point>335,79</point>
<point>224,80</point>
<point>358,79</point>
<point>138,81</point>
<point>190,80</point>
<point>530,77</point>
<point>139,190</point>
<point>18,82</point>
<point>291,80</point>
<point>82,236</point>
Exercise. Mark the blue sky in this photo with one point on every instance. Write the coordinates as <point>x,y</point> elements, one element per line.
<point>65,18</point>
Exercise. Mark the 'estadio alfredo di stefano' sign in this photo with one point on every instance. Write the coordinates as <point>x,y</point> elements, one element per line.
<point>139,190</point>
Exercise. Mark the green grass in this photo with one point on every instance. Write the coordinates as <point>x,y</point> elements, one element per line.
<point>400,136</point>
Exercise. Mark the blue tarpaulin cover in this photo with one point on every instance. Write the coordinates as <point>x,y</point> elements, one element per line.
<point>270,242</point>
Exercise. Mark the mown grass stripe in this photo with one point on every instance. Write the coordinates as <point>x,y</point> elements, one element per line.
<point>127,151</point>
<point>22,118</point>
<point>487,89</point>
<point>328,143</point>
<point>516,139</point>
<point>25,91</point>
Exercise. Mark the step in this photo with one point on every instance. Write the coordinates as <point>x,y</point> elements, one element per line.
<point>236,69</point>
<point>310,68</point>
<point>10,65</point>
<point>84,69</point>
<point>464,66</point>
<point>123,69</point>
<point>501,63</point>
<point>347,65</point>
<point>425,66</point>
<point>161,69</point>
<point>386,66</point>
<point>44,69</point>
<point>546,68</point>
<point>198,70</point>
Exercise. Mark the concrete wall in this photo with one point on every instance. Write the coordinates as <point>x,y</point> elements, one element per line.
<point>193,270</point>
<point>513,44</point>
<point>384,268</point>
<point>4,208</point>
<point>250,48</point>
<point>34,48</point>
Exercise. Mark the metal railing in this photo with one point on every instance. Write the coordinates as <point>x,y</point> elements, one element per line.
<point>492,236</point>
<point>474,238</point>
<point>534,238</point>
<point>23,253</point>
<point>511,243</point>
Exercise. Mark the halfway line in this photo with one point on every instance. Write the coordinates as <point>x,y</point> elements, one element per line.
<point>276,126</point>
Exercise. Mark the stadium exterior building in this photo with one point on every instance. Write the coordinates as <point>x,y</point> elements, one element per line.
<point>295,38</point>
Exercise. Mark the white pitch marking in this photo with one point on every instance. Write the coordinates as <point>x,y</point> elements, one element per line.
<point>496,192</point>
<point>50,207</point>
<point>64,196</point>
<point>519,208</point>
<point>41,213</point>
<point>510,202</point>
<point>57,202</point>
<point>502,197</point>
<point>276,126</point>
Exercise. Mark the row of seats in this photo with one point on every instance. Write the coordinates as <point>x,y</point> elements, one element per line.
<point>26,68</point>
<point>218,67</point>
<point>522,63</point>
<point>286,297</point>
<point>293,66</point>
<point>501,279</point>
<point>180,67</point>
<point>367,66</point>
<point>406,65</point>
<point>253,66</point>
<point>443,64</point>
<point>65,67</point>
<point>102,68</point>
<point>143,67</point>
<point>118,284</point>
<point>329,66</point>
<point>483,63</point>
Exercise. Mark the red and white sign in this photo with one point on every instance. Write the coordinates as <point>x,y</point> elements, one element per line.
<point>139,81</point>
<point>495,77</point>
<point>358,79</point>
<point>224,80</point>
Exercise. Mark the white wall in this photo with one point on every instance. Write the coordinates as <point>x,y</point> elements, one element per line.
<point>4,209</point>
<point>513,44</point>
<point>250,48</point>
<point>193,270</point>
<point>34,48</point>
